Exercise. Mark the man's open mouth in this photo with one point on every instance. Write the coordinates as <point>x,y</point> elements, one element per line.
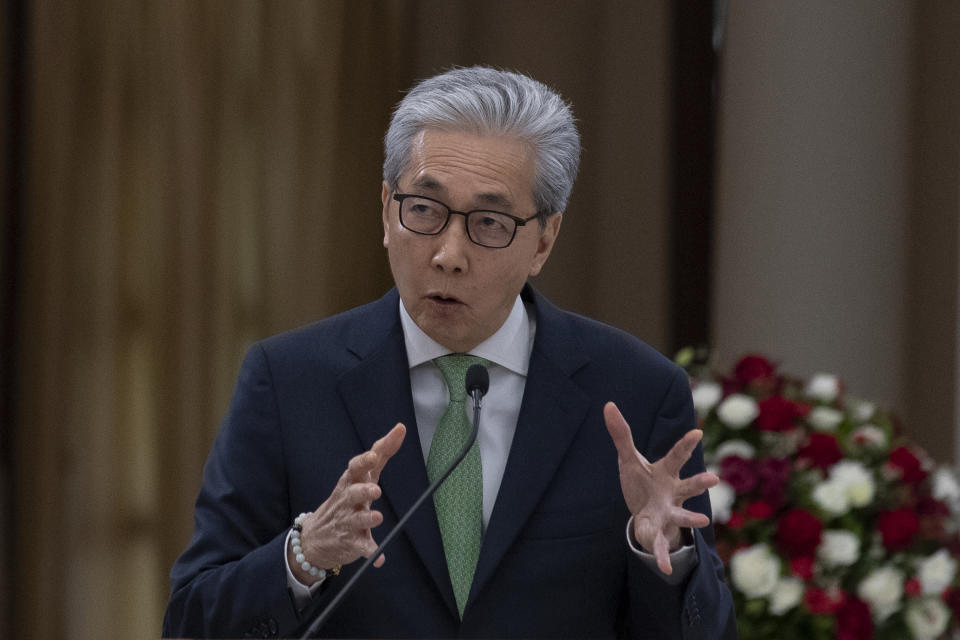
<point>442,299</point>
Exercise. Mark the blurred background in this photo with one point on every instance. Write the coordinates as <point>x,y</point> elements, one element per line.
<point>182,178</point>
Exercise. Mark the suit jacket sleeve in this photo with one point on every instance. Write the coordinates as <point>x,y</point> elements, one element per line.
<point>242,515</point>
<point>702,607</point>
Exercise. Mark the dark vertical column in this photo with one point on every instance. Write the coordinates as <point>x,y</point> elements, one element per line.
<point>693,111</point>
<point>13,61</point>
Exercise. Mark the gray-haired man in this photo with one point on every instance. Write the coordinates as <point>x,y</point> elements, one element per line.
<point>549,536</point>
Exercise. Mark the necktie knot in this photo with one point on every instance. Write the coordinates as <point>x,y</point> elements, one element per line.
<point>454,369</point>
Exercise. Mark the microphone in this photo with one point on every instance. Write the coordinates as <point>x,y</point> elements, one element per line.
<point>477,384</point>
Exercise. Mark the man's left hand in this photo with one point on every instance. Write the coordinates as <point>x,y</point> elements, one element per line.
<point>654,492</point>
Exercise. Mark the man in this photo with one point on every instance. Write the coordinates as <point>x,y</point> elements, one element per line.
<point>545,529</point>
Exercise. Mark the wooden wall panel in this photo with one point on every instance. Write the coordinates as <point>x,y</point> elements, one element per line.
<point>203,174</point>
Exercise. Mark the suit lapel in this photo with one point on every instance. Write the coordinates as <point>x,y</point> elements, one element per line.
<point>377,395</point>
<point>551,413</point>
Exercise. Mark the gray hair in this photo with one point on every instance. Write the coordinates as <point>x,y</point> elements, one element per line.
<point>489,101</point>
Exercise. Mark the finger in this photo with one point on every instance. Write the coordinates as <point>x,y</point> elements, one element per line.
<point>619,431</point>
<point>681,451</point>
<point>369,548</point>
<point>359,467</point>
<point>387,446</point>
<point>361,494</point>
<point>693,519</point>
<point>364,521</point>
<point>367,465</point>
<point>661,550</point>
<point>695,485</point>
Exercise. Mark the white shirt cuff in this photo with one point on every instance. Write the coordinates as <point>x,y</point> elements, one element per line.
<point>683,560</point>
<point>301,592</point>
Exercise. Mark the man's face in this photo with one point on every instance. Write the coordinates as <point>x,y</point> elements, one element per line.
<point>457,292</point>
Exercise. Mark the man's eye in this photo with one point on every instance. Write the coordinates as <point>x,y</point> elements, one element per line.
<point>491,222</point>
<point>426,209</point>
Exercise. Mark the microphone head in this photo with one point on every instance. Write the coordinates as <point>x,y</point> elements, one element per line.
<point>478,380</point>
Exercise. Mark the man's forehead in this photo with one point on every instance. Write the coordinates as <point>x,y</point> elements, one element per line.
<point>504,170</point>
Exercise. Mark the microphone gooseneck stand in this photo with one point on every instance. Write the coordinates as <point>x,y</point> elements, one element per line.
<point>477,383</point>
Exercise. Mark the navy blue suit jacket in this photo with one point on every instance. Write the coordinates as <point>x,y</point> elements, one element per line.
<point>554,562</point>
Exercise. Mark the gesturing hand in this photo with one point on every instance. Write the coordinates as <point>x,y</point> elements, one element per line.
<point>338,532</point>
<point>654,492</point>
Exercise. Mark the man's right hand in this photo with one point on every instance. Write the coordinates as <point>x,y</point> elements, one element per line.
<point>338,532</point>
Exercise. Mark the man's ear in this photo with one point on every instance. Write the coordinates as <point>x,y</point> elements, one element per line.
<point>385,201</point>
<point>548,236</point>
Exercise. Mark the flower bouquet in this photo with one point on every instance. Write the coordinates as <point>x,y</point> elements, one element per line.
<point>830,524</point>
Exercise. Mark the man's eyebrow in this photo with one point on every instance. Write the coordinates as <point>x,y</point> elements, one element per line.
<point>430,184</point>
<point>494,200</point>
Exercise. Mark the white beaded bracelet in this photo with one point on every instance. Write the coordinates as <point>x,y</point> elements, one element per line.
<point>298,551</point>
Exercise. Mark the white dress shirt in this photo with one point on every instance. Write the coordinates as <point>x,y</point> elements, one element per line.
<point>509,350</point>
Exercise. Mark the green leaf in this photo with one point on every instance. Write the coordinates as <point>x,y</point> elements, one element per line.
<point>684,357</point>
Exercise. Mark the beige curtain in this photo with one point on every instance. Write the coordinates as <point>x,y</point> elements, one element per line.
<point>204,173</point>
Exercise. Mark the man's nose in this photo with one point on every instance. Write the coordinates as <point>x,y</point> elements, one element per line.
<point>453,245</point>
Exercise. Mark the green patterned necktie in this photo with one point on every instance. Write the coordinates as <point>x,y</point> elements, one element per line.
<point>459,500</point>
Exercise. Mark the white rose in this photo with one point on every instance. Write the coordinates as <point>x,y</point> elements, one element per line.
<point>870,436</point>
<point>782,444</point>
<point>857,481</point>
<point>882,589</point>
<point>945,486</point>
<point>737,411</point>
<point>823,387</point>
<point>740,448</point>
<point>831,496</point>
<point>825,419</point>
<point>722,496</point>
<point>927,618</point>
<point>786,595</point>
<point>838,548</point>
<point>860,410</point>
<point>706,395</point>
<point>936,572</point>
<point>755,571</point>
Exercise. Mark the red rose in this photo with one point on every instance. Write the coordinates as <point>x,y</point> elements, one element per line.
<point>898,528</point>
<point>908,465</point>
<point>773,474</point>
<point>753,368</point>
<point>759,510</point>
<point>779,414</point>
<point>912,587</point>
<point>822,601</point>
<point>774,469</point>
<point>736,521</point>
<point>802,567</point>
<point>933,517</point>
<point>951,596</point>
<point>822,450</point>
<point>739,473</point>
<point>853,620</point>
<point>798,533</point>
<point>927,506</point>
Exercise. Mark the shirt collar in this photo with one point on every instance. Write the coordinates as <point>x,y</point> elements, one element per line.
<point>509,347</point>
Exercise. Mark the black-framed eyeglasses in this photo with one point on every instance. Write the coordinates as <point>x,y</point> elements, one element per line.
<point>429,217</point>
